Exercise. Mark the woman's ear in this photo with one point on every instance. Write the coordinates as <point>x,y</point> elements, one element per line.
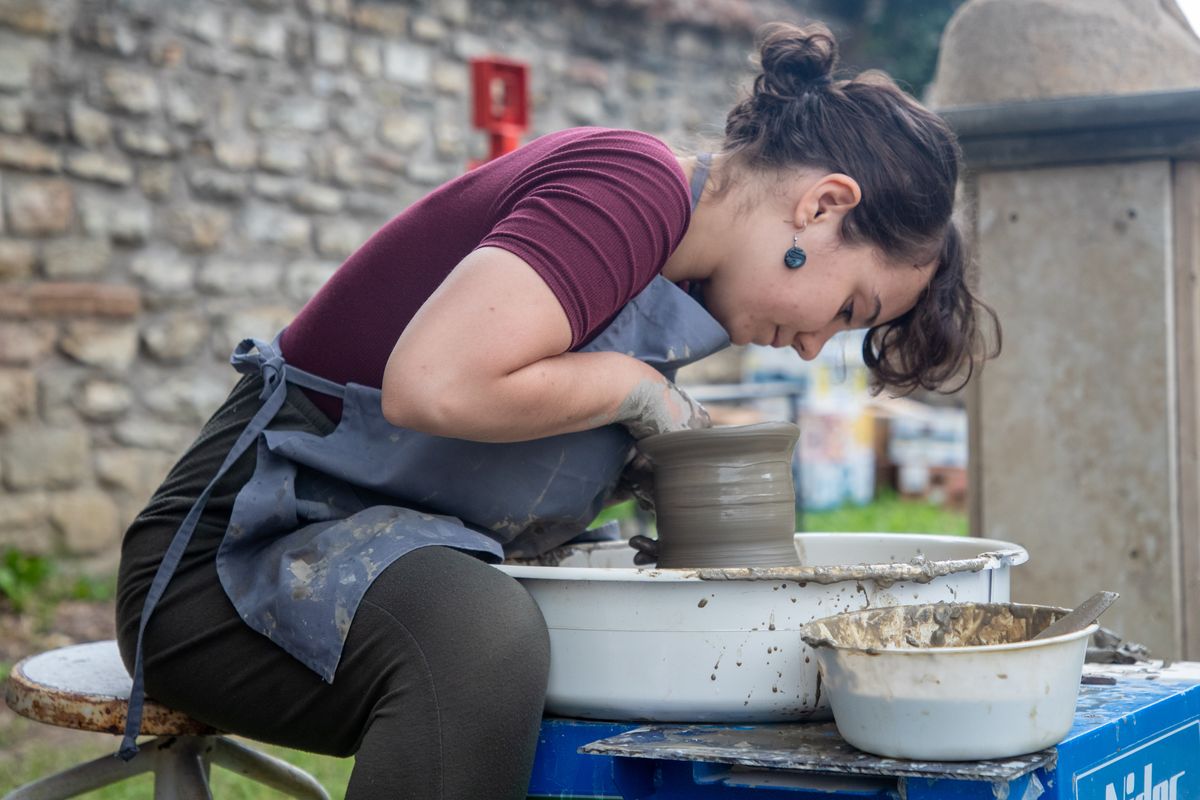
<point>832,196</point>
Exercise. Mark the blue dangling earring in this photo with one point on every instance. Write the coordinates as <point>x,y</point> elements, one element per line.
<point>795,256</point>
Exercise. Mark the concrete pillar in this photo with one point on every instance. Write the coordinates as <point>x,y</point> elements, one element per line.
<point>1083,189</point>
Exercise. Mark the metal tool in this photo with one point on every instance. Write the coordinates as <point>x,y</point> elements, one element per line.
<point>1083,615</point>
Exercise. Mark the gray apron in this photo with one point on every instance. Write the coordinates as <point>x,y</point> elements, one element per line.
<point>322,516</point>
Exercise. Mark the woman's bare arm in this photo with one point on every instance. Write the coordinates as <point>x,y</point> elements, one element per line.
<point>485,359</point>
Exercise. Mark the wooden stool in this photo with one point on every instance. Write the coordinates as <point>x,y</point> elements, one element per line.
<point>85,686</point>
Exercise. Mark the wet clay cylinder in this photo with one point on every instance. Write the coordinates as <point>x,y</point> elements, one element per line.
<point>724,497</point>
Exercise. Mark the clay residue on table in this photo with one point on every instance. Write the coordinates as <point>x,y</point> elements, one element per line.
<point>918,570</point>
<point>931,626</point>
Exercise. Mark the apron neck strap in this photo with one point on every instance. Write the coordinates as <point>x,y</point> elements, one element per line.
<point>700,176</point>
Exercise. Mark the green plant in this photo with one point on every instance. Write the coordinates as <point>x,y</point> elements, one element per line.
<point>22,575</point>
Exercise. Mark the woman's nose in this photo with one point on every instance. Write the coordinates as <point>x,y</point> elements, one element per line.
<point>809,345</point>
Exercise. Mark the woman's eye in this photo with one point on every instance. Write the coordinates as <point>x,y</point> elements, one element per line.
<point>848,312</point>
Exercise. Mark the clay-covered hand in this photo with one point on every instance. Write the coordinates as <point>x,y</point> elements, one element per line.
<point>637,482</point>
<point>655,407</point>
<point>647,550</point>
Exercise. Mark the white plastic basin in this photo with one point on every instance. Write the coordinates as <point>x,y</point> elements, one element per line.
<point>714,645</point>
<point>895,695</point>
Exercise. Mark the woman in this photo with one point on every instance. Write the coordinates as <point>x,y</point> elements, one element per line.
<point>469,385</point>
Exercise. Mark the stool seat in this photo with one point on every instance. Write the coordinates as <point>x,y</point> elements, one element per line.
<point>85,686</point>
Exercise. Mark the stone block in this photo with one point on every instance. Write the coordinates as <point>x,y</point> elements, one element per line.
<point>136,472</point>
<point>87,519</point>
<point>237,277</point>
<point>450,140</point>
<point>21,509</point>
<point>155,179</point>
<point>26,342</point>
<point>317,198</point>
<point>12,114</point>
<point>333,9</point>
<point>71,299</point>
<point>260,322</point>
<point>338,238</point>
<point>466,46</point>
<point>303,278</point>
<point>47,120</point>
<point>236,152</point>
<point>18,60</point>
<point>267,225</point>
<point>42,17</point>
<point>185,399</point>
<point>217,184</point>
<point>14,303</point>
<point>367,59</point>
<point>429,29</point>
<point>127,221</point>
<point>164,271</point>
<point>341,165</point>
<point>103,400</point>
<point>403,131</point>
<point>110,168</point>
<point>108,345</point>
<point>28,154</point>
<point>89,127</point>
<point>258,34</point>
<point>44,458</point>
<point>385,18</point>
<point>182,107</point>
<point>451,78</point>
<point>16,260</point>
<point>131,92</point>
<point>330,45</point>
<point>456,12</point>
<point>357,124</point>
<point>411,65</point>
<point>272,187</point>
<point>40,208</point>
<point>203,22</point>
<point>75,258</point>
<point>166,51</point>
<point>288,156</point>
<point>174,336</point>
<point>148,434</point>
<point>429,173</point>
<point>105,31</point>
<point>18,395</point>
<point>585,106</point>
<point>303,114</point>
<point>198,228</point>
<point>145,141</point>
<point>219,61</point>
<point>57,391</point>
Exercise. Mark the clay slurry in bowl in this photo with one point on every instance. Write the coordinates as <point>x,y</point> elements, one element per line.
<point>724,497</point>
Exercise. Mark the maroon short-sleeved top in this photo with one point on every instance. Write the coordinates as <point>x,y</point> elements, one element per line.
<point>595,211</point>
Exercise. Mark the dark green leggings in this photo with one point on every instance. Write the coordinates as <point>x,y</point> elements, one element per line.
<point>440,687</point>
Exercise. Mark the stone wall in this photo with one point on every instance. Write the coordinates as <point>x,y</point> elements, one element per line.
<point>175,176</point>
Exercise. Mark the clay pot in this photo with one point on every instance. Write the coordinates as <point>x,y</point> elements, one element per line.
<point>724,497</point>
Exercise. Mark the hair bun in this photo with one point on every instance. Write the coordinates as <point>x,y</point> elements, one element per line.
<point>795,60</point>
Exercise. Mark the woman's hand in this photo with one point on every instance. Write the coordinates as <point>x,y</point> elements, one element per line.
<point>655,407</point>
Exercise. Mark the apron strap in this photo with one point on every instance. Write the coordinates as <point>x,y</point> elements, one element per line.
<point>275,374</point>
<point>700,176</point>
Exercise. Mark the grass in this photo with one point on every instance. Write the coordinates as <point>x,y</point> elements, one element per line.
<point>888,513</point>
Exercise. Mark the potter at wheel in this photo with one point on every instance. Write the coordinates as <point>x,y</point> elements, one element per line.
<point>725,497</point>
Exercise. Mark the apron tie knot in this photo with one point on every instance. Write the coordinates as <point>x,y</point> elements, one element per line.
<point>255,355</point>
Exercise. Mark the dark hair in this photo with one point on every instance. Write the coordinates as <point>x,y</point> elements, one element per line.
<point>904,157</point>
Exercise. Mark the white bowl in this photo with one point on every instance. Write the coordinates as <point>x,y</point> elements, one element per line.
<point>895,695</point>
<point>711,645</point>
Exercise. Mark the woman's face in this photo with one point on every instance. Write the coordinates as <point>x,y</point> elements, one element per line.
<point>840,287</point>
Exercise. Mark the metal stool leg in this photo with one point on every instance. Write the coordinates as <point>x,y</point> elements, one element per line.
<point>266,770</point>
<point>84,778</point>
<point>181,768</point>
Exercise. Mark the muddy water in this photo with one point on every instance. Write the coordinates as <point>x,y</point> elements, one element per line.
<point>932,625</point>
<point>724,497</point>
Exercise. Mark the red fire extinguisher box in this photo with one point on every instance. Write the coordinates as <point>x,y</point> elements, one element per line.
<point>500,88</point>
